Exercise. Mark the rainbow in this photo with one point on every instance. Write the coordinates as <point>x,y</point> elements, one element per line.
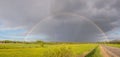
<point>65,14</point>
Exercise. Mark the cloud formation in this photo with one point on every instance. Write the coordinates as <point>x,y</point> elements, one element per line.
<point>27,13</point>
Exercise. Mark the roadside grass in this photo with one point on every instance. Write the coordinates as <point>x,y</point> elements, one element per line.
<point>95,53</point>
<point>35,50</point>
<point>114,45</point>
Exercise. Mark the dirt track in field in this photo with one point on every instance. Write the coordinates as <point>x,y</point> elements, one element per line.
<point>108,51</point>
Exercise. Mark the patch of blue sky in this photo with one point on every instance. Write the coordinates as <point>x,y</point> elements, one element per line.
<point>12,32</point>
<point>14,37</point>
<point>20,37</point>
<point>114,32</point>
<point>19,34</point>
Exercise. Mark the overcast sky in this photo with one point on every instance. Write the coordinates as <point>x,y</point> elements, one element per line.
<point>59,20</point>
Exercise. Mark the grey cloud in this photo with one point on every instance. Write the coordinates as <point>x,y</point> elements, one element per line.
<point>23,12</point>
<point>68,5</point>
<point>27,13</point>
<point>67,28</point>
<point>99,11</point>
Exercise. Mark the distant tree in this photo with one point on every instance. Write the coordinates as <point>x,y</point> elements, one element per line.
<point>40,42</point>
<point>114,42</point>
<point>7,41</point>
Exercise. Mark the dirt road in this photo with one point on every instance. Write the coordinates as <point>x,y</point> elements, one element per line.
<point>108,51</point>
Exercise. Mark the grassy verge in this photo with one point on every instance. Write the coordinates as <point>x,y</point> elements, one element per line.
<point>95,53</point>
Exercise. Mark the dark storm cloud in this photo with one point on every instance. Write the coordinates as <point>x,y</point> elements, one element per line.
<point>27,13</point>
<point>68,6</point>
<point>99,11</point>
<point>68,28</point>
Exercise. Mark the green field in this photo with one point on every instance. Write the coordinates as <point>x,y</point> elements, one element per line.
<point>114,45</point>
<point>35,50</point>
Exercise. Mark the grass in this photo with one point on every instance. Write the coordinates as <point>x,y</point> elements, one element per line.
<point>82,48</point>
<point>17,46</point>
<point>35,50</point>
<point>59,52</point>
<point>27,52</point>
<point>94,53</point>
<point>114,45</point>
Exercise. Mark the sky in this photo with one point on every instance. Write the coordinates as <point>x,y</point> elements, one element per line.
<point>60,20</point>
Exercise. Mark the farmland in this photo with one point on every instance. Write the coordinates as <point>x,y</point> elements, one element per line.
<point>58,50</point>
<point>114,45</point>
<point>35,50</point>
